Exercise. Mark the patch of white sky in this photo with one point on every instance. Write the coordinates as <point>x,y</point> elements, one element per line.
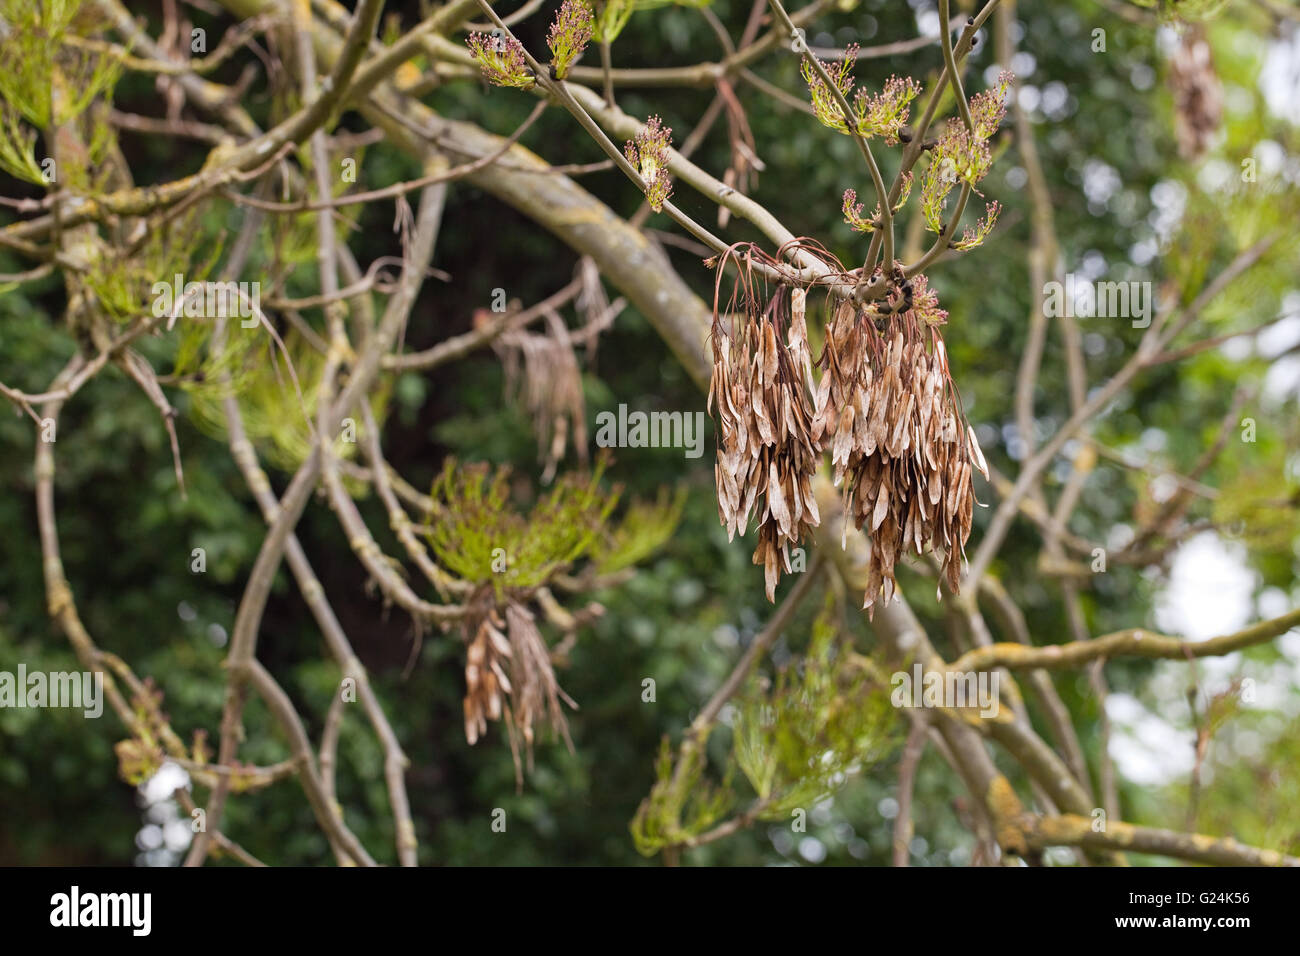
<point>1211,589</point>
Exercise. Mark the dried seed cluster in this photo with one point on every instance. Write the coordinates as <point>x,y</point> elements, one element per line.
<point>548,386</point>
<point>1198,93</point>
<point>884,406</point>
<point>766,445</point>
<point>486,683</point>
<point>900,445</point>
<point>508,663</point>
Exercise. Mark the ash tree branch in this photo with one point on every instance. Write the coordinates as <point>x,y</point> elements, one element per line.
<point>1072,830</point>
<point>1135,642</point>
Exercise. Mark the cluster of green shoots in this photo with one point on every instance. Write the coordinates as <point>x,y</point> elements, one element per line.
<point>648,152</point>
<point>960,155</point>
<point>140,756</point>
<point>681,804</point>
<point>478,534</point>
<point>823,720</point>
<point>153,742</point>
<point>853,208</point>
<point>883,114</point>
<point>569,35</point>
<point>276,383</point>
<point>502,59</point>
<point>963,155</point>
<point>503,62</point>
<point>47,80</point>
<point>796,739</point>
<point>613,17</point>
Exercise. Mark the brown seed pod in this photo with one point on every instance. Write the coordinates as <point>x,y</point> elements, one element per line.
<point>883,405</point>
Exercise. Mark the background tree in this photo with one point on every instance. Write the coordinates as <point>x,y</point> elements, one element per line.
<point>317,435</point>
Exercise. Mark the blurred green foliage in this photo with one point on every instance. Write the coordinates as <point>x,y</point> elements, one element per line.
<point>682,620</point>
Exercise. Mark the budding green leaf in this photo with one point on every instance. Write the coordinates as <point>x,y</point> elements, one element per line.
<point>853,208</point>
<point>881,114</point>
<point>988,108</point>
<point>853,212</point>
<point>649,154</point>
<point>824,103</point>
<point>970,238</point>
<point>612,19</point>
<point>501,60</point>
<point>569,35</point>
<point>959,156</point>
<point>886,113</point>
